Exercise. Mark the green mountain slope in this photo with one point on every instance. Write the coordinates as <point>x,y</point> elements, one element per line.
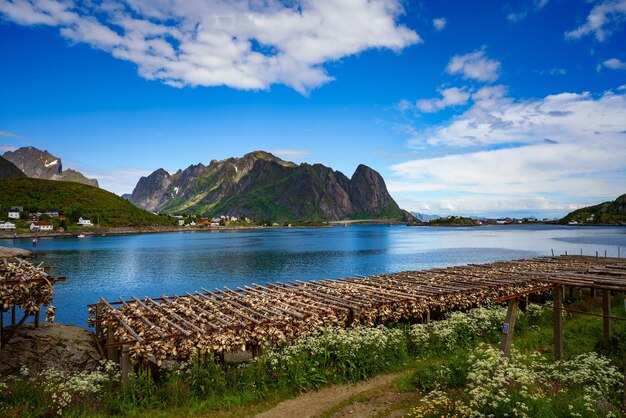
<point>8,170</point>
<point>74,200</point>
<point>261,186</point>
<point>604,213</point>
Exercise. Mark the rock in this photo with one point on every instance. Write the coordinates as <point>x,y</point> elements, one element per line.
<point>6,252</point>
<point>59,346</point>
<point>8,170</point>
<point>38,164</point>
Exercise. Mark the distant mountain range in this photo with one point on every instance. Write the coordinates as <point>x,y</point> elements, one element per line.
<point>605,213</point>
<point>37,164</point>
<point>262,186</point>
<point>424,217</point>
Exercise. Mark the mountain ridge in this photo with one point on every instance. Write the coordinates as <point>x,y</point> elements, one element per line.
<point>38,164</point>
<point>260,185</point>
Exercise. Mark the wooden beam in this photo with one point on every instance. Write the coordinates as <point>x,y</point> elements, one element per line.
<point>509,327</point>
<point>606,320</point>
<point>557,315</point>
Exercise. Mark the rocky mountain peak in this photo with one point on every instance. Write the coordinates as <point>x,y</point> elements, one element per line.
<point>260,185</point>
<point>38,164</point>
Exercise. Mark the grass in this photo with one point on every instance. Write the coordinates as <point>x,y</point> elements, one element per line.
<point>74,200</point>
<point>441,356</point>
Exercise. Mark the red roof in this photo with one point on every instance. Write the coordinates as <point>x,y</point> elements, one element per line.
<point>43,223</point>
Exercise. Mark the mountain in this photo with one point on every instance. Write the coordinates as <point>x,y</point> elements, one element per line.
<point>424,217</point>
<point>261,186</point>
<point>75,200</point>
<point>8,170</point>
<point>605,213</point>
<point>39,164</point>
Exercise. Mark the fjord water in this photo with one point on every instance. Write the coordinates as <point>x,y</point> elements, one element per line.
<point>175,263</point>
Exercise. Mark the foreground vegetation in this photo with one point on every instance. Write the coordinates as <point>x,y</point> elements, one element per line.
<point>456,365</point>
<point>74,200</point>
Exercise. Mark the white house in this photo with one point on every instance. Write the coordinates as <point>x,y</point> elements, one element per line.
<point>181,222</point>
<point>41,226</point>
<point>84,221</point>
<point>7,226</point>
<point>14,214</point>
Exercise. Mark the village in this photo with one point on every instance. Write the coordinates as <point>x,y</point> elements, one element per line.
<point>20,220</point>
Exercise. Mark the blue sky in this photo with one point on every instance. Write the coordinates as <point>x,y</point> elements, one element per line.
<point>474,108</point>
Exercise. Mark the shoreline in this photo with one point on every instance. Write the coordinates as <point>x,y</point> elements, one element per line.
<point>8,235</point>
<point>117,231</point>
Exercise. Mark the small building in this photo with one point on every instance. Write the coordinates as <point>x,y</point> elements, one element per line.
<point>52,213</point>
<point>192,223</point>
<point>14,214</point>
<point>34,217</point>
<point>20,209</point>
<point>62,218</point>
<point>84,221</point>
<point>181,222</point>
<point>7,226</point>
<point>41,226</point>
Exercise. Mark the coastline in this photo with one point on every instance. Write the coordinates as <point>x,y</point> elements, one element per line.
<point>7,235</point>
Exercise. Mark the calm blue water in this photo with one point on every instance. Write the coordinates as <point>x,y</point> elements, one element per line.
<point>175,263</point>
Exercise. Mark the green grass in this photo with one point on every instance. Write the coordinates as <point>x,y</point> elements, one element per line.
<point>74,200</point>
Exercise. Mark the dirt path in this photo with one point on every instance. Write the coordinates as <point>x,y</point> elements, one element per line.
<point>372,397</point>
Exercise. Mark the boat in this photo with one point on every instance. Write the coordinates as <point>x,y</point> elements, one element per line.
<point>80,236</point>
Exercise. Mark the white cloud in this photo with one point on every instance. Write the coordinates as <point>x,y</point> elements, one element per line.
<point>5,148</point>
<point>615,64</point>
<point>489,205</point>
<point>567,144</point>
<point>602,20</point>
<point>452,96</point>
<point>440,23</point>
<point>525,11</point>
<point>240,44</point>
<point>8,134</point>
<point>475,65</point>
<point>291,154</point>
<point>117,180</point>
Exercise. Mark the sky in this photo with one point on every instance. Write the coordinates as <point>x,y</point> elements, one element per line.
<point>482,108</point>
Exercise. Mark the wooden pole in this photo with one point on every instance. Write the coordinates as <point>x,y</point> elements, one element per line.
<point>557,314</point>
<point>428,316</point>
<point>509,327</point>
<point>98,325</point>
<point>125,366</point>
<point>606,320</point>
<point>112,353</point>
<point>37,318</point>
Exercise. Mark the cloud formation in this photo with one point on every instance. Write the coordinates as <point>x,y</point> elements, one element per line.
<point>534,6</point>
<point>241,44</point>
<point>452,96</point>
<point>475,66</point>
<point>440,23</point>
<point>569,144</point>
<point>602,21</point>
<point>614,64</point>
